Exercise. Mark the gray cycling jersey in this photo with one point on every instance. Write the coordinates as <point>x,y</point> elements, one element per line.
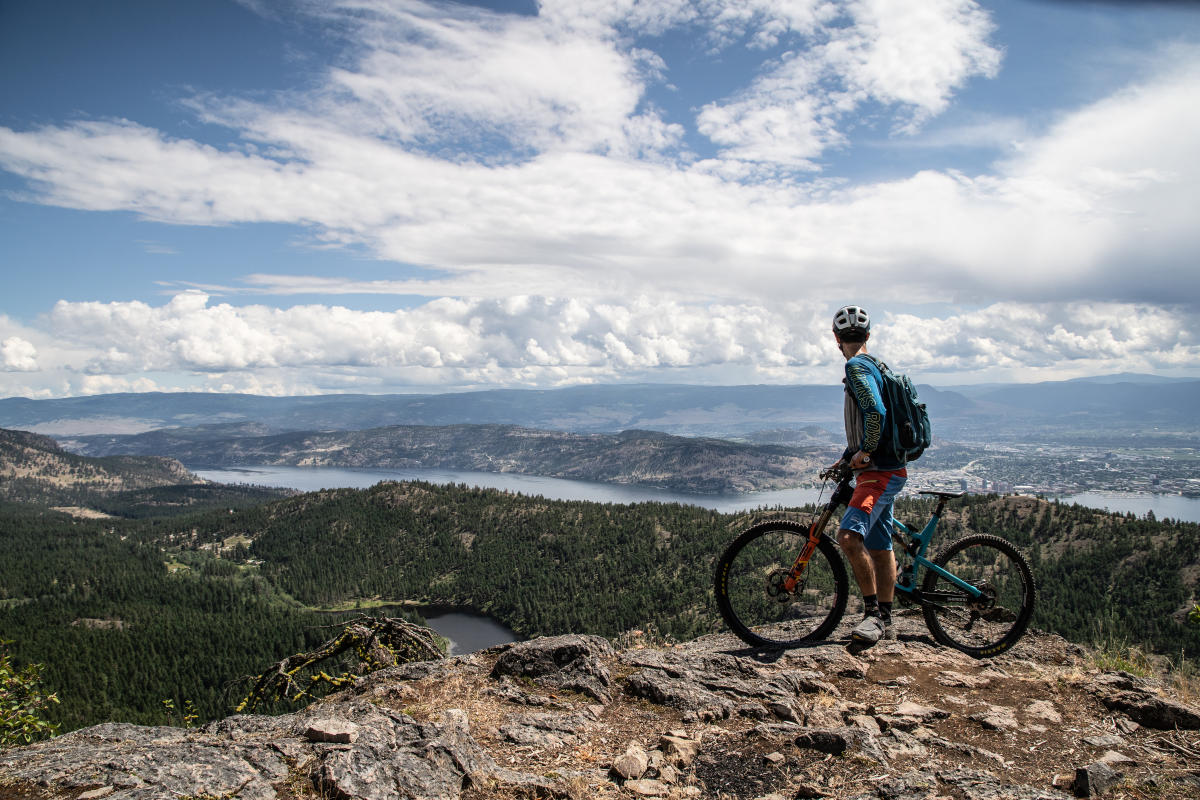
<point>854,421</point>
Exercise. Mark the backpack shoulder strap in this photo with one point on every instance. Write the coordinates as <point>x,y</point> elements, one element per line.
<point>879,365</point>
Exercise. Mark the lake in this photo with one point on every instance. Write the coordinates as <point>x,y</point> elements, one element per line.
<point>308,479</point>
<point>1186,509</point>
<point>468,632</point>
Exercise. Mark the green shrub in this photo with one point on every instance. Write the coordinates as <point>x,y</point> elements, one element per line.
<point>21,702</point>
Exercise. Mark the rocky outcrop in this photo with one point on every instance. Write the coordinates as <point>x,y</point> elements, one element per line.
<point>571,717</point>
<point>345,749</point>
<point>574,663</point>
<point>1137,699</point>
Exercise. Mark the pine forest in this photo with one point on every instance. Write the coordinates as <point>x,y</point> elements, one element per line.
<point>137,617</point>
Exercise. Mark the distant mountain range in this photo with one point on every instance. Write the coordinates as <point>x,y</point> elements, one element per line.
<point>1106,406</point>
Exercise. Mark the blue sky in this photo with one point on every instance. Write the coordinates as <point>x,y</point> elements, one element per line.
<point>291,196</point>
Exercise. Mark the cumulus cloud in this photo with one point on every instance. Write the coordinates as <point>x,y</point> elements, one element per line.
<point>513,334</point>
<point>520,155</point>
<point>542,341</point>
<point>18,355</point>
<point>1055,339</point>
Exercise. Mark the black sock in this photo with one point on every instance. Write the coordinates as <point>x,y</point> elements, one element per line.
<point>885,610</point>
<point>871,605</point>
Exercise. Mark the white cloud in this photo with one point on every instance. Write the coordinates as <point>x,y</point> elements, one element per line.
<point>513,334</point>
<point>18,355</point>
<point>998,133</point>
<point>120,165</point>
<point>452,76</point>
<point>113,384</point>
<point>1109,185</point>
<point>547,342</point>
<point>519,155</point>
<point>1058,340</point>
<point>913,55</point>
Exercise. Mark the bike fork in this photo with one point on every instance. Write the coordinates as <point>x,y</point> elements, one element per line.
<point>806,553</point>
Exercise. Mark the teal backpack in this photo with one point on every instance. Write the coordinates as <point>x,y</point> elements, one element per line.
<point>908,420</point>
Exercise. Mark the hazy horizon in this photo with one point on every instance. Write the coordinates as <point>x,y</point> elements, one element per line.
<point>1121,377</point>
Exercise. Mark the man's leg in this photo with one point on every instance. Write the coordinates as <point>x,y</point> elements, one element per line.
<point>865,537</point>
<point>879,545</point>
<point>861,563</point>
<point>883,563</point>
<point>874,570</point>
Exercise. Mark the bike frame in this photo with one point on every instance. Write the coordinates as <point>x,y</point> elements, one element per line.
<point>916,544</point>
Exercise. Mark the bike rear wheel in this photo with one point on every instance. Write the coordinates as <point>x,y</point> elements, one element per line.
<point>751,597</point>
<point>993,623</point>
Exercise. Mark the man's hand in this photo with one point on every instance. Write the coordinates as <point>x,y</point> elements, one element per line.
<point>860,460</point>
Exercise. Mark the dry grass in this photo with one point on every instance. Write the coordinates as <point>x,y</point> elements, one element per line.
<point>1183,680</point>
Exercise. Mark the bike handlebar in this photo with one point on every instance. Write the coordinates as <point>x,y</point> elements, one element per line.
<point>838,472</point>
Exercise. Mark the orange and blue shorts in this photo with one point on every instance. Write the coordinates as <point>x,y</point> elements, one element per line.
<point>869,512</point>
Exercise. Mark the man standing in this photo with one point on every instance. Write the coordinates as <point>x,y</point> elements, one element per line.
<point>866,528</point>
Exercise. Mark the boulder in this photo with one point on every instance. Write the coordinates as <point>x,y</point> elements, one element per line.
<point>633,763</point>
<point>996,718</point>
<point>981,785</point>
<point>839,741</point>
<point>908,715</point>
<point>679,750</point>
<point>961,680</point>
<point>571,662</point>
<point>681,693</point>
<point>1044,710</point>
<point>1150,710</point>
<point>648,788</point>
<point>1094,779</point>
<point>547,731</point>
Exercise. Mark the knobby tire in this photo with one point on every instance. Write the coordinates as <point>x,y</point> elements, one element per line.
<point>983,628</point>
<point>747,587</point>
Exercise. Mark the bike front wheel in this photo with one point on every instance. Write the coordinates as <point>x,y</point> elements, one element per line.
<point>750,592</point>
<point>992,623</point>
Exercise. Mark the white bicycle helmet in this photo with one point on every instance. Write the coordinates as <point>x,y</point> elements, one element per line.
<point>850,319</point>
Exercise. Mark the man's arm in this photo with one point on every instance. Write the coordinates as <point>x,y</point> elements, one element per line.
<point>865,390</point>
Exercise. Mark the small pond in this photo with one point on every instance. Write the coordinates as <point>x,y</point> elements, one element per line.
<point>468,631</point>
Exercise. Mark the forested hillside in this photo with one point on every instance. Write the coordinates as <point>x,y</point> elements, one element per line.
<point>631,457</point>
<point>122,626</point>
<point>35,469</point>
<point>127,613</point>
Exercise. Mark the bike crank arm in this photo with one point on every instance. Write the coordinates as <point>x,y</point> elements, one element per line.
<point>975,616</point>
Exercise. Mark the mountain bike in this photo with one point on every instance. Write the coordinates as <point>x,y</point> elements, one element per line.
<point>780,584</point>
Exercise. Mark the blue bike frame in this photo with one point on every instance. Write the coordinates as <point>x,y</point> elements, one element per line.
<point>916,544</point>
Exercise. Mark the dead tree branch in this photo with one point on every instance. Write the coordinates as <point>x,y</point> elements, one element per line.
<point>378,642</point>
